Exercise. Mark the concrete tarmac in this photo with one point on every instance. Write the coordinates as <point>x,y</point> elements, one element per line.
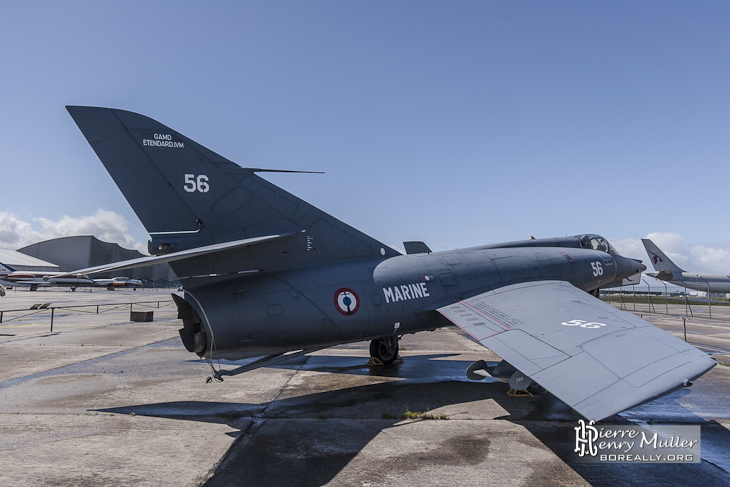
<point>103,401</point>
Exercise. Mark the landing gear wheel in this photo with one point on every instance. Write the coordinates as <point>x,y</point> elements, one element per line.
<point>385,349</point>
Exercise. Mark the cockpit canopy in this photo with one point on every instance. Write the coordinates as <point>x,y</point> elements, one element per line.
<point>596,242</point>
<point>587,241</point>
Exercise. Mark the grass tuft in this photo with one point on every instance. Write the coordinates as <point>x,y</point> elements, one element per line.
<point>415,416</point>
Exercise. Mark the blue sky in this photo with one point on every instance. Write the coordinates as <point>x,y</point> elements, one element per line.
<point>456,123</point>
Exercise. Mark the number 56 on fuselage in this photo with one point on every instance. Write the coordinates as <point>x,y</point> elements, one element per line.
<point>265,274</point>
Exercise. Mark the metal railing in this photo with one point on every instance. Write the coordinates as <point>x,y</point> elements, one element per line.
<point>716,325</point>
<point>44,309</point>
<point>659,303</point>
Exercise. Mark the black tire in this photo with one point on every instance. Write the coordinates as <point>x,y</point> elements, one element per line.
<point>385,349</point>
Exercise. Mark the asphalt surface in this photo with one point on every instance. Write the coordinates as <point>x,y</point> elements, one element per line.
<point>104,401</point>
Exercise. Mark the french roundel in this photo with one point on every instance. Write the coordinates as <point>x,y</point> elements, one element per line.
<point>347,301</point>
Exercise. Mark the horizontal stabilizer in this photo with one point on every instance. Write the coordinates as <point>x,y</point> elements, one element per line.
<point>664,275</point>
<point>185,254</point>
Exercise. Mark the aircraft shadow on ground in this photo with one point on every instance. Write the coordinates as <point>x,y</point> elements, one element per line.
<point>560,438</point>
<point>307,438</point>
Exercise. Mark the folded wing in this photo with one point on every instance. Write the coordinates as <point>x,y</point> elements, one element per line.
<point>595,358</point>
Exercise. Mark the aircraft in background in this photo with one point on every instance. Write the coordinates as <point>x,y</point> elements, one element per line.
<point>11,277</point>
<point>119,282</point>
<point>266,274</point>
<point>668,271</point>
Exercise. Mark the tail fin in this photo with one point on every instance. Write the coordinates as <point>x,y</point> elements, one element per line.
<point>188,196</point>
<point>660,261</point>
<point>4,268</point>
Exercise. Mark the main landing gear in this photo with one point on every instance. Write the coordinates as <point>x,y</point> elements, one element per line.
<point>384,351</point>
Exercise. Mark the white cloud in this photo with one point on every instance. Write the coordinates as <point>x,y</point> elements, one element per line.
<point>717,260</point>
<point>629,247</point>
<point>713,258</point>
<point>15,233</point>
<point>103,224</point>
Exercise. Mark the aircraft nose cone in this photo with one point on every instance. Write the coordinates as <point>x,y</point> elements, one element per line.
<point>634,267</point>
<point>628,267</point>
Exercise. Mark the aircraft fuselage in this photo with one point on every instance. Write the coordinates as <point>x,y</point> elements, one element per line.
<point>258,314</point>
<point>716,283</point>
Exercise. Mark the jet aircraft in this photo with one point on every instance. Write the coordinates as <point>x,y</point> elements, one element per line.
<point>11,277</point>
<point>668,271</point>
<point>118,282</point>
<point>266,274</point>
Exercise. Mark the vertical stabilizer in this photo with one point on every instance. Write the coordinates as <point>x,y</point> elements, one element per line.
<point>188,196</point>
<point>658,259</point>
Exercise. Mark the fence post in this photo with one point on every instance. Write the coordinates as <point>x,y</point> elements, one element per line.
<point>633,294</point>
<point>686,303</point>
<point>709,303</point>
<point>650,301</point>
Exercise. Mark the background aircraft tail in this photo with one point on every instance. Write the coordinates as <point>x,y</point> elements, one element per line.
<point>4,268</point>
<point>188,196</point>
<point>658,259</point>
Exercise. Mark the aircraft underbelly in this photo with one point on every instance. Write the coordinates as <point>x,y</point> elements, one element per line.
<point>714,287</point>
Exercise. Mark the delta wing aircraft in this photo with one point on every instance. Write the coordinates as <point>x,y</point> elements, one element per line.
<point>265,274</point>
<point>668,271</point>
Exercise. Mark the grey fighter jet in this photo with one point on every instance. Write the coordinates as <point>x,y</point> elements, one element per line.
<point>668,271</point>
<point>265,274</point>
